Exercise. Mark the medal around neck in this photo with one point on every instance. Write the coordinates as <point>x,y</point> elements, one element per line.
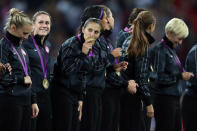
<point>45,83</point>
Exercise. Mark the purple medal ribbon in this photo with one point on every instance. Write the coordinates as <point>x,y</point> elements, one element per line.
<point>79,36</point>
<point>23,62</point>
<point>44,65</point>
<point>91,52</point>
<point>111,49</point>
<point>175,56</point>
<point>126,29</point>
<point>101,14</point>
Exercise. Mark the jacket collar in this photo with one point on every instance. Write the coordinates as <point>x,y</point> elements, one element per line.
<point>150,38</point>
<point>168,42</point>
<point>15,40</point>
<point>38,39</point>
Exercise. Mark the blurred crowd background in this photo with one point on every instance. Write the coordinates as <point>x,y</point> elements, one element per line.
<point>66,16</point>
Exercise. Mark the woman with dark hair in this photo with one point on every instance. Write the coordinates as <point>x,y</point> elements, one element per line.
<point>114,82</point>
<point>92,108</point>
<point>138,69</point>
<point>189,102</point>
<point>15,86</point>
<point>38,49</point>
<point>69,76</point>
<point>125,33</point>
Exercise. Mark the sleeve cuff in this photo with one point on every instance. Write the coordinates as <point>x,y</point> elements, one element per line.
<point>125,84</point>
<point>20,79</point>
<point>33,99</point>
<point>82,55</point>
<point>147,101</point>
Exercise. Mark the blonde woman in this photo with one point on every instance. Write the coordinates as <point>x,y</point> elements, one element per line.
<point>169,70</point>
<point>15,89</point>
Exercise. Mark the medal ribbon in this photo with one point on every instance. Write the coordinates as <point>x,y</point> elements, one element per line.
<point>175,56</point>
<point>44,65</point>
<point>126,29</point>
<point>23,62</point>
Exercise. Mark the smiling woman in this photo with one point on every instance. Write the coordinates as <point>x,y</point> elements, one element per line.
<point>42,23</point>
<point>38,49</point>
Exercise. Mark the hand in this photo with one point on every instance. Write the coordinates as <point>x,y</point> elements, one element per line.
<point>132,87</point>
<point>2,69</point>
<point>150,111</point>
<point>121,66</point>
<point>8,66</point>
<point>80,105</point>
<point>117,52</point>
<point>35,110</point>
<point>27,81</point>
<point>187,75</point>
<point>124,65</point>
<point>87,46</point>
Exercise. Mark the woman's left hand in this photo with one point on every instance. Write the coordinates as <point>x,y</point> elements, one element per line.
<point>121,66</point>
<point>35,110</point>
<point>80,105</point>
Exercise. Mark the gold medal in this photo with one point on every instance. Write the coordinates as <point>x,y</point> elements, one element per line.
<point>91,39</point>
<point>45,83</point>
<point>118,73</point>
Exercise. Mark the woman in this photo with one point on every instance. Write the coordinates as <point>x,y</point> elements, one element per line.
<point>38,49</point>
<point>15,88</point>
<point>69,76</point>
<point>138,69</point>
<point>114,82</point>
<point>91,119</point>
<point>166,93</point>
<point>189,102</point>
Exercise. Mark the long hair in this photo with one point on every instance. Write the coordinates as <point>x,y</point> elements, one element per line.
<point>139,42</point>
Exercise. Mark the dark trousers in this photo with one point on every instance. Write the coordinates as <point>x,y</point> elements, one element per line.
<point>110,110</point>
<point>130,112</point>
<point>167,113</point>
<point>92,110</point>
<point>64,111</point>
<point>14,117</point>
<point>145,121</point>
<point>189,113</point>
<point>43,121</point>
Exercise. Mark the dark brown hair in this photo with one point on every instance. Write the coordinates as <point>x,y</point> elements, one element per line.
<point>139,42</point>
<point>134,14</point>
